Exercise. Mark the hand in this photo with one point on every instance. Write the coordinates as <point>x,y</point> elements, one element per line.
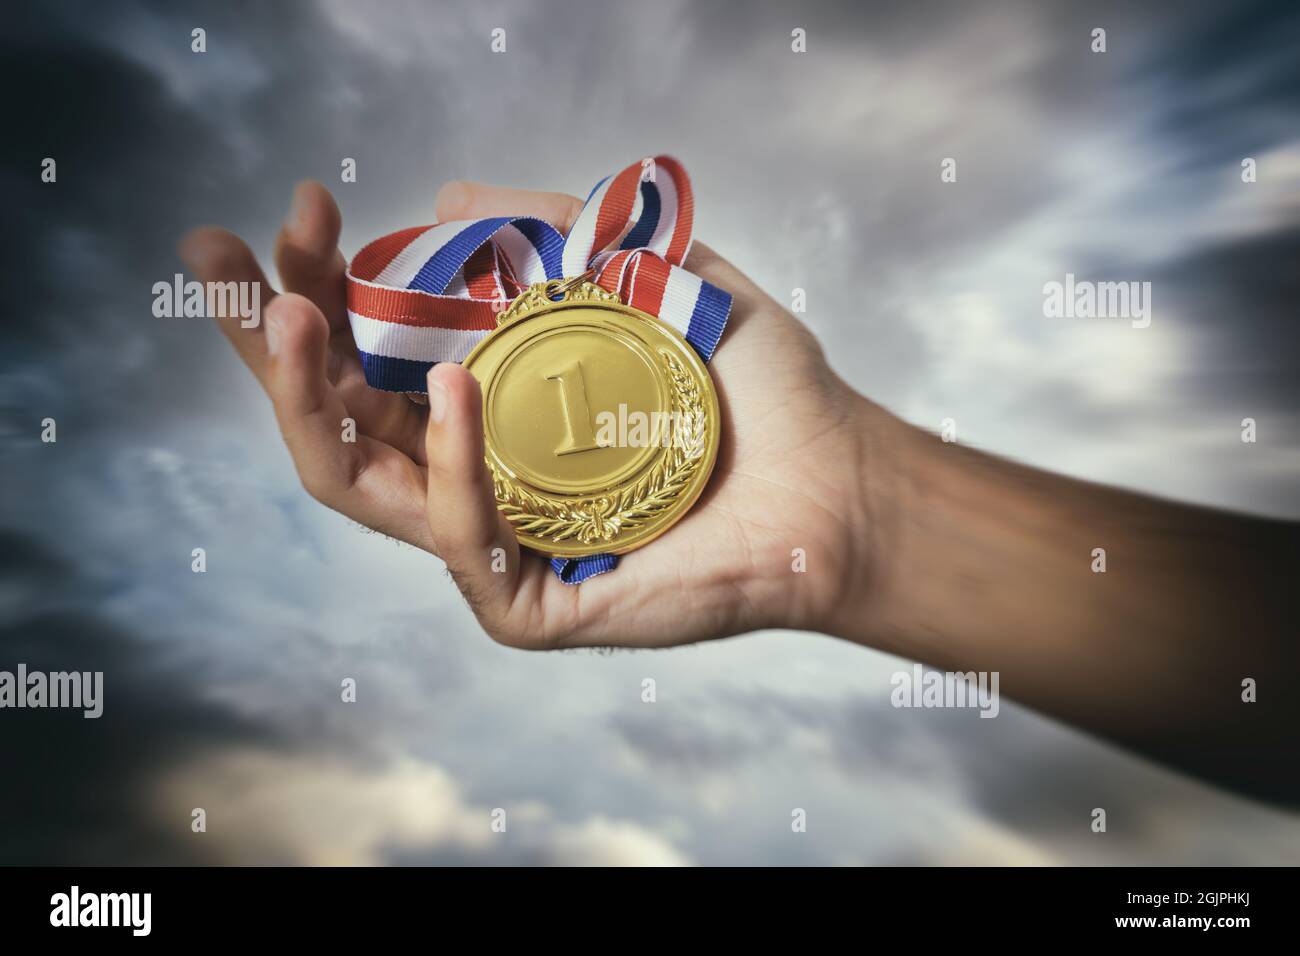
<point>789,472</point>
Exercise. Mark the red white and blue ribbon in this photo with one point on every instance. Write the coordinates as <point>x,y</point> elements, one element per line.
<point>430,294</point>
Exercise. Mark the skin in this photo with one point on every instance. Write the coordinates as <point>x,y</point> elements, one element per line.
<point>913,546</point>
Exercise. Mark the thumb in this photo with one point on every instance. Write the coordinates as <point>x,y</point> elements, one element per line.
<point>469,534</point>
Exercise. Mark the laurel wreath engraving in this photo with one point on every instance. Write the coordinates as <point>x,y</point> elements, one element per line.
<point>601,518</point>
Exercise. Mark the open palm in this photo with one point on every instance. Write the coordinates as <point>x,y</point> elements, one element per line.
<point>779,500</point>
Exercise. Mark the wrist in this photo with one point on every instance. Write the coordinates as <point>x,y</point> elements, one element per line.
<point>867,591</point>
<point>858,478</point>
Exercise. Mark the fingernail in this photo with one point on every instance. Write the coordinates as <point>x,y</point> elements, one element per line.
<point>437,400</point>
<point>271,321</point>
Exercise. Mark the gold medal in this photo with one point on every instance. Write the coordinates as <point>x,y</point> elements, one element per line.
<point>601,422</point>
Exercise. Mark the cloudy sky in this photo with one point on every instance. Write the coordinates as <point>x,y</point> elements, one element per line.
<point>818,171</point>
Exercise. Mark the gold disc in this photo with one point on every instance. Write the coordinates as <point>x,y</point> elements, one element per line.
<point>601,422</point>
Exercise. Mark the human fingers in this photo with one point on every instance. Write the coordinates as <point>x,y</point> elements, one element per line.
<point>307,254</point>
<point>219,256</point>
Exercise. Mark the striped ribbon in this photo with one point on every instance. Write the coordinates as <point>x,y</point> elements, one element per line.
<point>429,294</point>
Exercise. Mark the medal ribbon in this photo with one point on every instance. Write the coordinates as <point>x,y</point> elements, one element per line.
<point>429,294</point>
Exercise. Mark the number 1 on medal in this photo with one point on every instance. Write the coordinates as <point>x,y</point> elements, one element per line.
<point>578,433</point>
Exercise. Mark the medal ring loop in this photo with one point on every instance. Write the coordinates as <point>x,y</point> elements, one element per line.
<point>557,289</point>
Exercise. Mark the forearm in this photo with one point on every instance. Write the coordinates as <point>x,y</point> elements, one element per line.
<point>989,566</point>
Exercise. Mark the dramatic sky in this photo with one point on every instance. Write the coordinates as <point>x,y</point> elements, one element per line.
<point>817,170</point>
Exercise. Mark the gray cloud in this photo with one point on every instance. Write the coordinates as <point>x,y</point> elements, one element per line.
<point>819,172</point>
